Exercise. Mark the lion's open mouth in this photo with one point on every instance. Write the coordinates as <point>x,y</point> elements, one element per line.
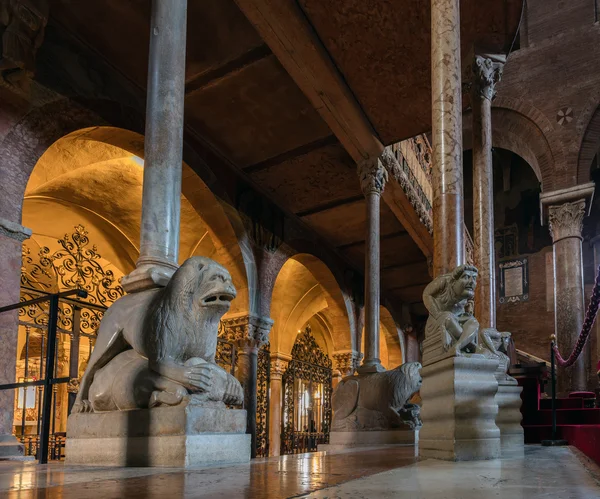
<point>222,299</point>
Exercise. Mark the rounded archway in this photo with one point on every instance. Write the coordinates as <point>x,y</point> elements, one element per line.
<point>93,178</point>
<point>307,293</point>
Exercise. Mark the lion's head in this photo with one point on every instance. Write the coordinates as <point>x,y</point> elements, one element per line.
<point>189,308</point>
<point>407,381</point>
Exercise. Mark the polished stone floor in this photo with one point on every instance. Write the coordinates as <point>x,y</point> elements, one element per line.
<point>384,472</point>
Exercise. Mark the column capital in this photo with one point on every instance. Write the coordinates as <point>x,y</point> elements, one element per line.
<point>247,330</point>
<point>372,175</point>
<point>347,362</point>
<point>279,364</point>
<point>567,195</point>
<point>487,72</point>
<point>13,230</point>
<point>566,220</point>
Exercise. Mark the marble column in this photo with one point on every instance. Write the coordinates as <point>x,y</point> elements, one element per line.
<point>12,236</point>
<point>373,176</point>
<point>447,174</point>
<point>248,333</point>
<point>279,365</point>
<point>566,223</point>
<point>486,73</point>
<point>163,149</point>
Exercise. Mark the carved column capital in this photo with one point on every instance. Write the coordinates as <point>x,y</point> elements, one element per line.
<point>566,220</point>
<point>279,365</point>
<point>372,175</point>
<point>247,331</point>
<point>347,362</point>
<point>486,74</point>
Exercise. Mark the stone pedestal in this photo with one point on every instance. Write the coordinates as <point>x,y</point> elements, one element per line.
<point>339,440</point>
<point>459,409</point>
<point>184,435</point>
<point>512,439</point>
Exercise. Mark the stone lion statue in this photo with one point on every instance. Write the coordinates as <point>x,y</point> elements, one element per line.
<point>156,347</point>
<point>377,401</point>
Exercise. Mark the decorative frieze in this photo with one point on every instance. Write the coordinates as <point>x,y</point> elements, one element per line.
<point>247,330</point>
<point>566,220</point>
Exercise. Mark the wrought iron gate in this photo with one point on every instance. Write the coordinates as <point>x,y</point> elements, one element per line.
<point>75,266</point>
<point>306,397</point>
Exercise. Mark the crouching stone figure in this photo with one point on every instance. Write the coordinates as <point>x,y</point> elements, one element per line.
<point>378,401</point>
<point>158,346</point>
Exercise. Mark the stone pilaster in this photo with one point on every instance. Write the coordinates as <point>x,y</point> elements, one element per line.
<point>163,148</point>
<point>248,333</point>
<point>446,99</point>
<point>373,176</point>
<point>279,364</point>
<point>486,74</point>
<point>12,236</point>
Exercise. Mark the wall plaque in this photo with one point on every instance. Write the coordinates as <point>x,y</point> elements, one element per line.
<point>514,280</point>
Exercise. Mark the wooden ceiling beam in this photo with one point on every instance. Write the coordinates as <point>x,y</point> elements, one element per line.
<point>285,29</point>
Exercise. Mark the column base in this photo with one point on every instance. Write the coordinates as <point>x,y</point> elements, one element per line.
<point>369,368</point>
<point>147,277</point>
<point>12,450</point>
<point>178,436</point>
<point>459,410</point>
<point>512,439</point>
<point>339,440</point>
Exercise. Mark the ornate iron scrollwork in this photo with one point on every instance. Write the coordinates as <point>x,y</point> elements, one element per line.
<point>262,400</point>
<point>307,391</point>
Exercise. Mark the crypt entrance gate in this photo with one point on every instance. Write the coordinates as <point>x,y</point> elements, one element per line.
<point>307,388</point>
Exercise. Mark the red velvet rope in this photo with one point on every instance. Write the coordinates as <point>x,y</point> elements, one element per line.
<point>590,318</point>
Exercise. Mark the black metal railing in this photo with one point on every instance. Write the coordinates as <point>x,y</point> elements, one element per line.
<point>42,441</point>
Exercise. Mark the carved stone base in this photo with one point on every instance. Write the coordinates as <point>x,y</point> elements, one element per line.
<point>12,450</point>
<point>508,398</point>
<point>185,435</point>
<point>349,439</point>
<point>459,410</point>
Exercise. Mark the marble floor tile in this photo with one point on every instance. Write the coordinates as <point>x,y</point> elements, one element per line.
<point>369,473</point>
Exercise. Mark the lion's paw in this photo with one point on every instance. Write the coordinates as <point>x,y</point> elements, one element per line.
<point>82,406</point>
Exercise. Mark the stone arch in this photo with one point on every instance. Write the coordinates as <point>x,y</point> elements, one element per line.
<point>306,290</point>
<point>517,133</point>
<point>29,140</point>
<point>588,148</point>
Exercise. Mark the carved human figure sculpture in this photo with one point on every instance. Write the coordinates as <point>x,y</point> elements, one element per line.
<point>158,346</point>
<point>446,298</point>
<point>378,401</point>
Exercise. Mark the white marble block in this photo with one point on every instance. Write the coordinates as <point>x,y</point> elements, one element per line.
<point>508,398</point>
<point>183,435</point>
<point>459,409</point>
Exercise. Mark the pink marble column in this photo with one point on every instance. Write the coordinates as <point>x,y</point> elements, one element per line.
<point>486,73</point>
<point>566,223</point>
<point>278,368</point>
<point>12,236</point>
<point>447,182</point>
<point>373,177</point>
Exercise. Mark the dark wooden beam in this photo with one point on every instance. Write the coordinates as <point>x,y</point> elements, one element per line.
<point>231,67</point>
<point>294,153</point>
<point>330,205</point>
